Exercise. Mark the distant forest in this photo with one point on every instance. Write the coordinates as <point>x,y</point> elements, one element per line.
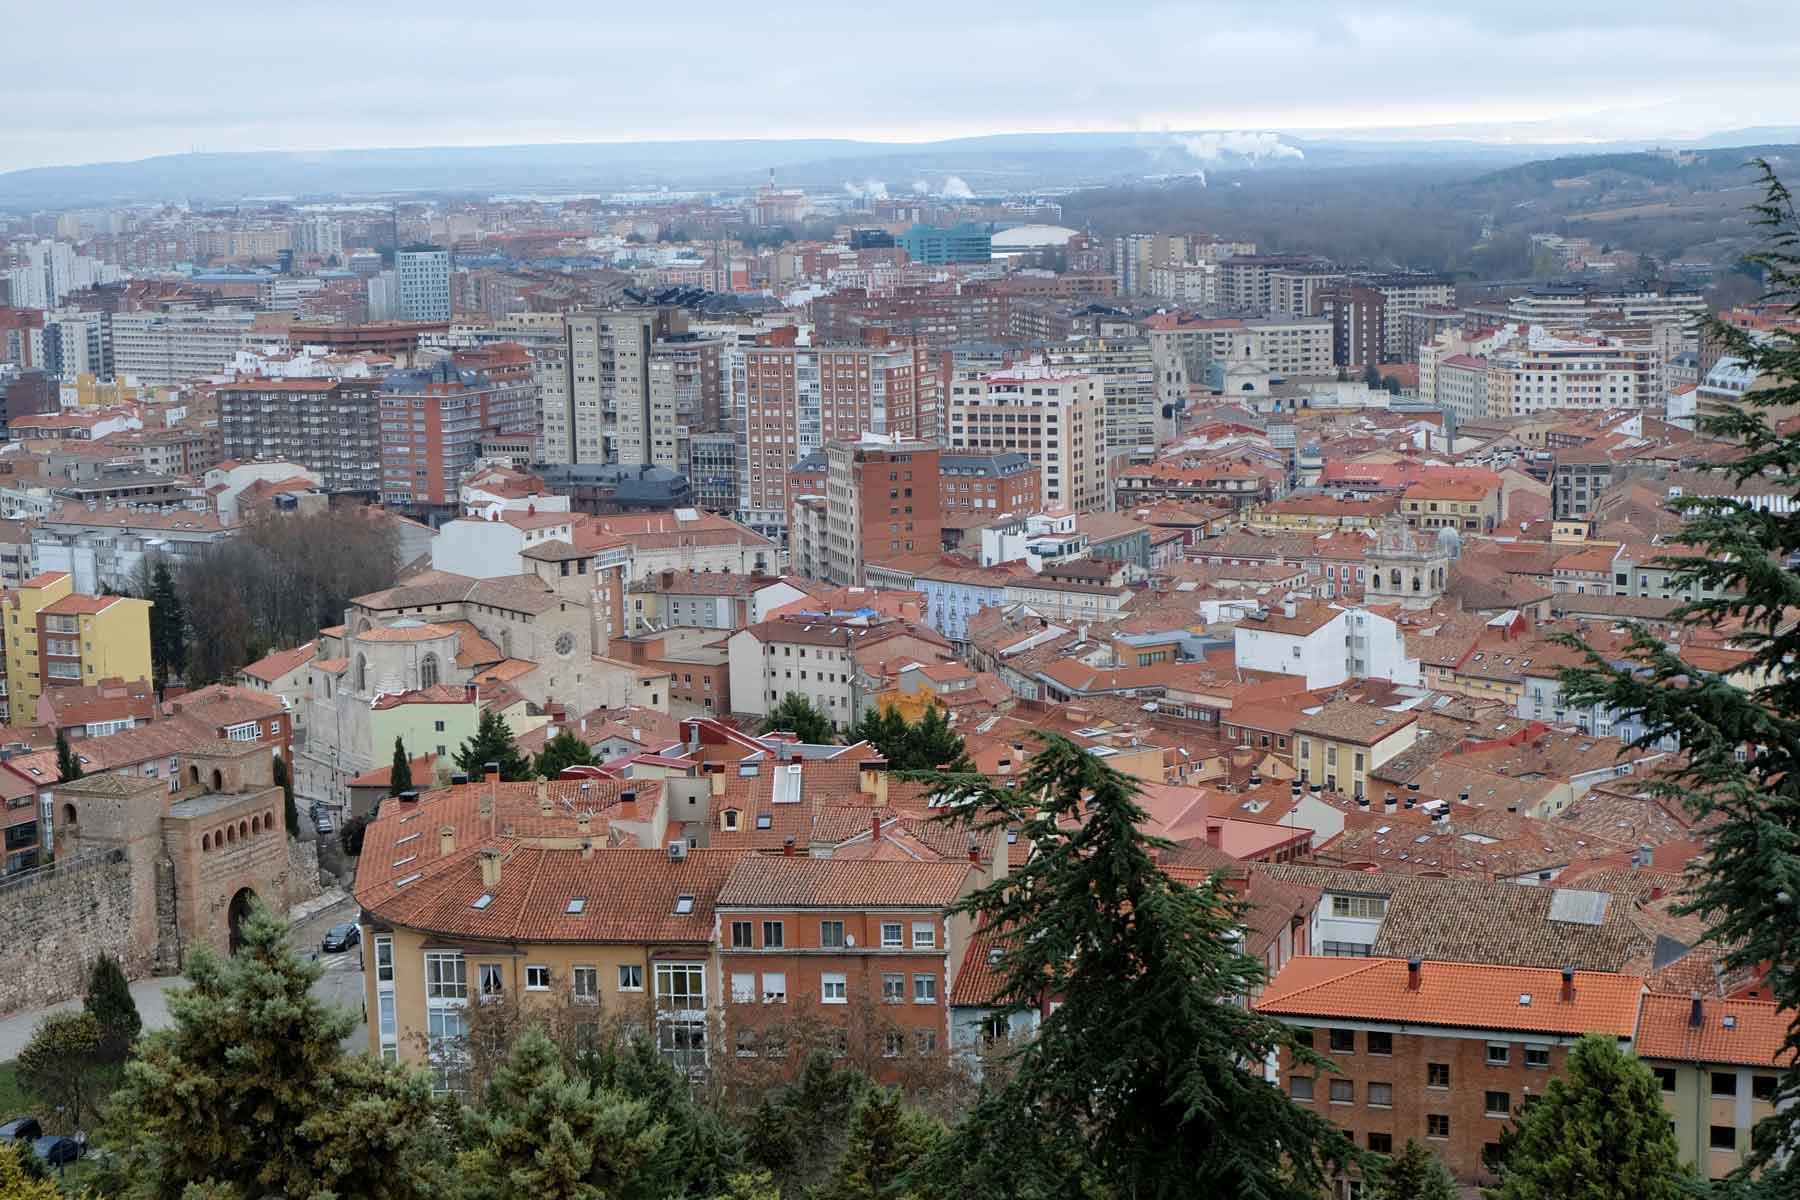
<point>1434,218</point>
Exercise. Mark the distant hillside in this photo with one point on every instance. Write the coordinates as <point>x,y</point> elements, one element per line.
<point>1003,162</point>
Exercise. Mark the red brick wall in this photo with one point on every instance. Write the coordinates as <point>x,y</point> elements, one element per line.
<point>1407,1069</point>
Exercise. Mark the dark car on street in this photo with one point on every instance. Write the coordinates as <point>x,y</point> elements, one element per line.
<point>56,1151</point>
<point>340,937</point>
<point>21,1129</point>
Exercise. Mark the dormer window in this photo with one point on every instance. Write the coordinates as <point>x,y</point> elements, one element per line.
<point>728,820</point>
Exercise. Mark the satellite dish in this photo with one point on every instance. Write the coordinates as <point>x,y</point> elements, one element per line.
<point>849,939</point>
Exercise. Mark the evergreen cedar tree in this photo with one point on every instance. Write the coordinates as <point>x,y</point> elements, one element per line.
<point>563,750</point>
<point>1599,1132</point>
<point>542,1134</point>
<point>250,1091</point>
<point>1413,1174</point>
<point>492,742</point>
<point>168,626</point>
<point>68,767</point>
<point>796,715</point>
<point>886,1140</point>
<point>1747,888</point>
<point>400,774</point>
<point>930,745</point>
<point>284,780</point>
<point>109,1002</point>
<point>1146,1079</point>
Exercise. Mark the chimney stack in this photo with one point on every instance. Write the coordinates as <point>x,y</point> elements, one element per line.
<point>409,797</point>
<point>1568,985</point>
<point>1390,803</point>
<point>975,852</point>
<point>1696,1013</point>
<point>628,809</point>
<point>787,848</point>
<point>446,840</point>
<point>584,822</point>
<point>543,798</point>
<point>1413,966</point>
<point>490,869</point>
<point>874,827</point>
<point>1215,835</point>
<point>587,848</point>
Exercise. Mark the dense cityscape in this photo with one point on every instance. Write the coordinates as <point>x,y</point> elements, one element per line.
<point>1217,664</point>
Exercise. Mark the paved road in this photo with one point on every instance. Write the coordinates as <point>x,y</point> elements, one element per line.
<point>341,984</point>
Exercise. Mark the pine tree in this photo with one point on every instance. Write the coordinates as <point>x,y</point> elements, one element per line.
<point>168,626</point>
<point>492,742</point>
<point>540,1134</point>
<point>62,1066</point>
<point>927,745</point>
<point>249,1088</point>
<point>796,1133</point>
<point>1599,1132</point>
<point>68,767</point>
<point>290,812</point>
<point>796,715</point>
<point>701,1152</point>
<point>884,728</point>
<point>563,750</point>
<point>400,776</point>
<point>931,745</point>
<point>1146,1080</point>
<point>1736,555</point>
<point>109,1002</point>
<point>1413,1174</point>
<point>886,1140</point>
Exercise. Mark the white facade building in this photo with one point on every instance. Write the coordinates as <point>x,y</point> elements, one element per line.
<point>423,277</point>
<point>1325,644</point>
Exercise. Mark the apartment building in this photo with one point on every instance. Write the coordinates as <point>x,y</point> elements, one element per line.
<point>1296,291</point>
<point>1358,315</point>
<point>794,399</point>
<point>160,348</point>
<point>882,500</point>
<point>810,658</point>
<point>489,891</point>
<point>861,945</point>
<point>1547,371</point>
<point>1055,418</point>
<point>330,426</point>
<point>433,420</point>
<point>56,636</point>
<point>1403,294</point>
<point>988,483</point>
<point>1127,386</point>
<point>1247,281</point>
<point>1443,1053</point>
<point>422,278</point>
<point>1719,1062</point>
<point>1344,741</point>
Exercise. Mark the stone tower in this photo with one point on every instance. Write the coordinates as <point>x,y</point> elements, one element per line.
<point>1406,566</point>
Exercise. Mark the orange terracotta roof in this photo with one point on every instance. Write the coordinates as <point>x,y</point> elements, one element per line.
<point>1754,1037</point>
<point>778,881</point>
<point>274,666</point>
<point>1464,995</point>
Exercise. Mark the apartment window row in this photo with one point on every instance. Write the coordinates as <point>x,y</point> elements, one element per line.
<point>832,935</point>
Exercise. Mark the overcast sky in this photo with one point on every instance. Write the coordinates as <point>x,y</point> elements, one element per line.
<point>105,80</point>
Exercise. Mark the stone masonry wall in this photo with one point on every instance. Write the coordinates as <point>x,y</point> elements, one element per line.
<point>60,921</point>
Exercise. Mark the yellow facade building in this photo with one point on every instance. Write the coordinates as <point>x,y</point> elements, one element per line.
<point>57,637</point>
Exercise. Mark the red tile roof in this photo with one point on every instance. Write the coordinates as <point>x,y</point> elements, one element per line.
<point>1754,1037</point>
<point>780,881</point>
<point>1463,995</point>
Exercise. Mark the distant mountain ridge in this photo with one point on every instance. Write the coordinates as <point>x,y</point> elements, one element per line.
<point>987,164</point>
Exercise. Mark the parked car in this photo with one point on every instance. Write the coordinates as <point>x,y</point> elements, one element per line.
<point>21,1129</point>
<point>324,825</point>
<point>56,1151</point>
<point>340,937</point>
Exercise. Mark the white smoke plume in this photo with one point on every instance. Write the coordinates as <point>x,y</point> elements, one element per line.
<point>1210,147</point>
<point>869,189</point>
<point>956,189</point>
<point>921,188</point>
